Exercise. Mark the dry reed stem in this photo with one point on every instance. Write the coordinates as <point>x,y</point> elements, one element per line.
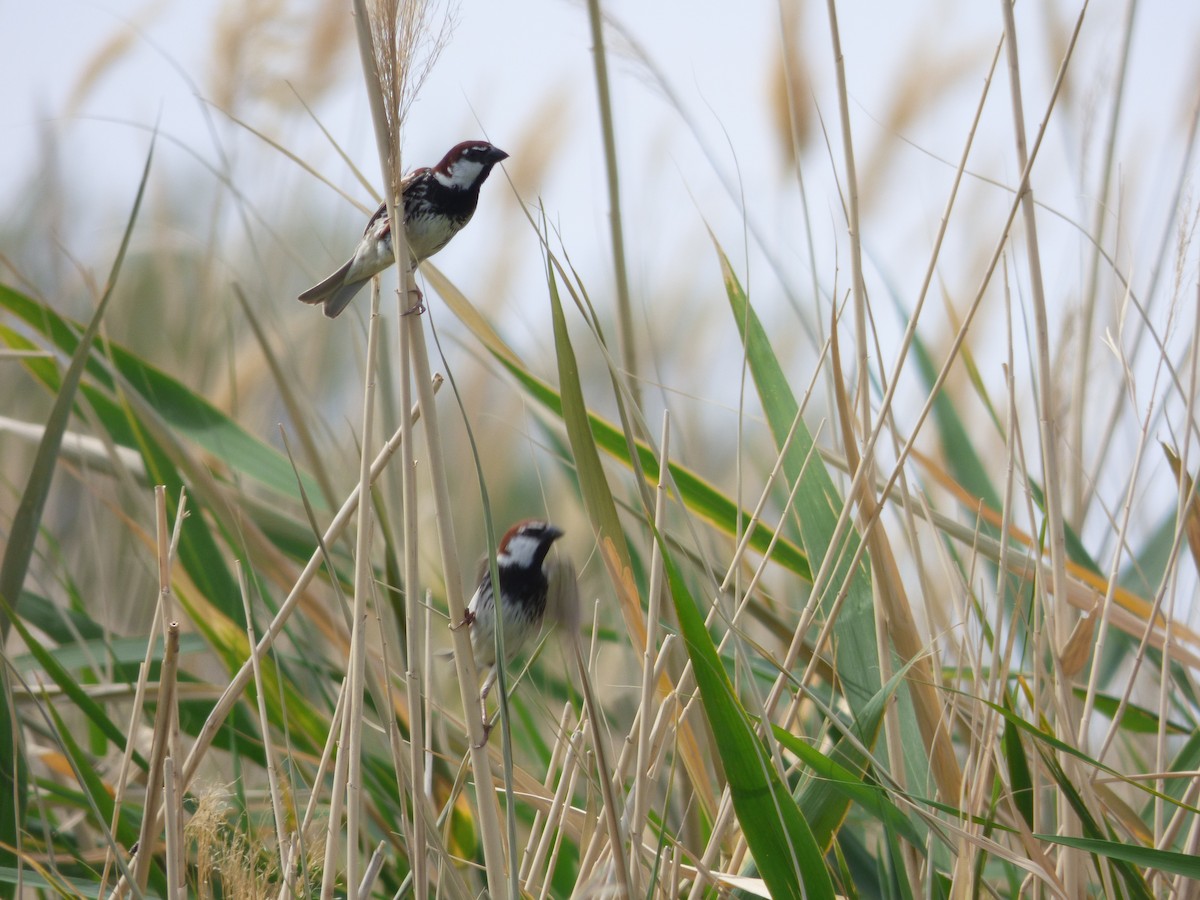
<point>160,746</point>
<point>1143,326</point>
<point>264,721</point>
<point>1106,605</point>
<point>386,42</point>
<point>639,801</point>
<point>539,829</point>
<point>159,749</point>
<point>608,790</point>
<point>295,857</point>
<point>165,554</point>
<point>363,583</point>
<point>417,625</point>
<point>894,619</point>
<point>176,849</point>
<point>858,284</point>
<point>337,794</point>
<point>464,659</point>
<point>1070,864</point>
<point>385,73</point>
<point>1048,420</point>
<point>1078,491</point>
<point>374,866</point>
<point>843,521</point>
<point>626,336</point>
<point>546,854</point>
<point>242,677</point>
<point>986,750</point>
<point>724,820</point>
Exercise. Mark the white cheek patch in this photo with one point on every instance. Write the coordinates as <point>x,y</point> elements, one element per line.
<point>520,550</point>
<point>463,174</point>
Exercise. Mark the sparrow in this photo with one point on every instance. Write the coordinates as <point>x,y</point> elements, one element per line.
<point>438,202</point>
<point>524,588</point>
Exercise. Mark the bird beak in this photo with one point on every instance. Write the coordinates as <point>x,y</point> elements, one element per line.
<point>498,155</point>
<point>553,531</point>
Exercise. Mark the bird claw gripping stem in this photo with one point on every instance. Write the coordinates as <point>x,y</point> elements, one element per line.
<point>417,308</point>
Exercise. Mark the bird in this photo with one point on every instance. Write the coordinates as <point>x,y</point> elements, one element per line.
<point>524,590</point>
<point>438,202</point>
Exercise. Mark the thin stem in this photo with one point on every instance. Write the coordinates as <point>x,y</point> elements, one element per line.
<point>415,624</point>
<point>626,341</point>
<point>364,578</point>
<point>1077,494</point>
<point>464,658</point>
<point>858,286</point>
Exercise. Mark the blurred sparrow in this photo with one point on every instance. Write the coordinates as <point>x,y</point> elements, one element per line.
<point>438,202</point>
<point>523,593</point>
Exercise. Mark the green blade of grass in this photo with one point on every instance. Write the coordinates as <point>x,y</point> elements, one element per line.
<point>199,553</point>
<point>1147,857</point>
<point>826,799</point>
<point>784,849</point>
<point>602,511</point>
<point>98,796</point>
<point>1095,832</point>
<point>817,504</point>
<point>89,707</point>
<point>1019,772</point>
<point>183,409</point>
<point>844,784</point>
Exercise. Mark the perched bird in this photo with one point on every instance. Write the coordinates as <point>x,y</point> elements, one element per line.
<point>523,592</point>
<point>438,202</point>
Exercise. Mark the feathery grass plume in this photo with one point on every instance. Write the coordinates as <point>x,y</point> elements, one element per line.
<point>407,44</point>
<point>232,858</point>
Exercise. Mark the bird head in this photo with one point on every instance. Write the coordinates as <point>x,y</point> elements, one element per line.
<point>468,164</point>
<point>526,544</point>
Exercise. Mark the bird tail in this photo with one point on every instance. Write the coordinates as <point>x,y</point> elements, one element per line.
<point>334,292</point>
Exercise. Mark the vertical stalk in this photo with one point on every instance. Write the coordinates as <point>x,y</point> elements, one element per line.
<point>388,143</point>
<point>626,342</point>
<point>641,779</point>
<point>1046,379</point>
<point>1076,490</point>
<point>858,286</point>
<point>414,613</point>
<point>464,658</point>
<point>364,578</point>
<point>1057,613</point>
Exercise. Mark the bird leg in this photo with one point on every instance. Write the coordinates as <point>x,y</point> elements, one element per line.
<point>468,616</point>
<point>488,683</point>
<point>417,308</point>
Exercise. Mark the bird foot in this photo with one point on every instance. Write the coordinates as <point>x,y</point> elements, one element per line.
<point>487,733</point>
<point>417,308</point>
<point>468,616</point>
